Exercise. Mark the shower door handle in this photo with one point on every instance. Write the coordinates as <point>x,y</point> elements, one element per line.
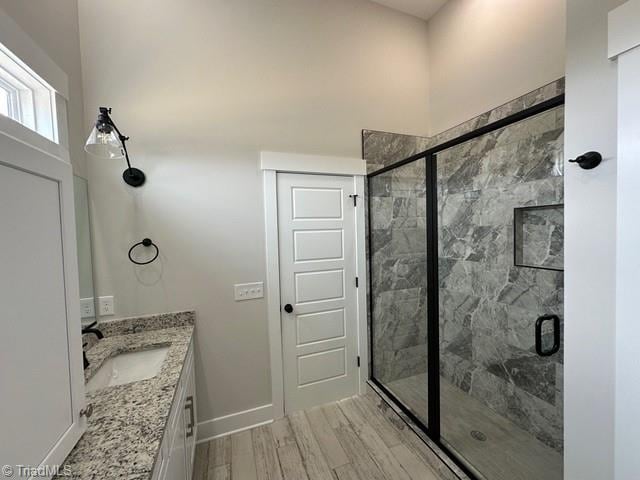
<point>556,335</point>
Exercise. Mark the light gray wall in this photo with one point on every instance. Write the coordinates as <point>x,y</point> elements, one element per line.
<point>83,236</point>
<point>53,25</point>
<point>202,86</point>
<point>590,245</point>
<point>483,53</point>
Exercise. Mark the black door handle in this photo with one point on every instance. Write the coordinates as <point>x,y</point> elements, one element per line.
<point>556,335</point>
<point>288,308</point>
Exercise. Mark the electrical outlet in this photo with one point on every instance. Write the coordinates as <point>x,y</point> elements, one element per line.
<point>105,305</point>
<point>87,308</point>
<point>248,291</point>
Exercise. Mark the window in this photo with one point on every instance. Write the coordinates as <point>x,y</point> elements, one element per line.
<point>25,97</point>
<point>4,102</point>
<point>10,96</point>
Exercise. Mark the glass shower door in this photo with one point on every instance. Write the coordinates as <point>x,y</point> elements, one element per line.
<point>398,286</point>
<point>500,289</point>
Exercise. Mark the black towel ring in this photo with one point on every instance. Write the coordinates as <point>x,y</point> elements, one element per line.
<point>146,243</point>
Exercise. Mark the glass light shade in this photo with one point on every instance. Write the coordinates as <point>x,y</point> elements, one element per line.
<point>105,145</point>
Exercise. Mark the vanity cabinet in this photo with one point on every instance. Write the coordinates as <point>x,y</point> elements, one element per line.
<point>176,455</point>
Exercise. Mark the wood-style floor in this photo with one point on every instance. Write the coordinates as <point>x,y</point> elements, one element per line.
<point>349,440</point>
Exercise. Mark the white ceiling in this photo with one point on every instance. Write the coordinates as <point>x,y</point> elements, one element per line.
<point>424,9</point>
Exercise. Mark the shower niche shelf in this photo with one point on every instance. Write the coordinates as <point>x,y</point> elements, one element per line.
<point>538,237</point>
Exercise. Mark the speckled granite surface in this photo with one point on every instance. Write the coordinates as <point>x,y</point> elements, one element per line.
<point>157,321</point>
<point>125,432</point>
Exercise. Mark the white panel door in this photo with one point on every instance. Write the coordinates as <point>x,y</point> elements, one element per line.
<point>317,240</point>
<point>41,378</point>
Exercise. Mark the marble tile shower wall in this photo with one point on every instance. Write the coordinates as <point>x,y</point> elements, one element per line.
<point>381,149</point>
<point>540,236</point>
<point>488,306</point>
<point>398,272</point>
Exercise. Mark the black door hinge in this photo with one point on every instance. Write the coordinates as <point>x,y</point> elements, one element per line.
<point>358,361</point>
<point>357,282</point>
<point>355,199</point>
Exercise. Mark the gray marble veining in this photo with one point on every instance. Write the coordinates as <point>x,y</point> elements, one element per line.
<point>398,275</point>
<point>125,432</point>
<point>488,305</point>
<point>381,149</point>
<point>539,237</point>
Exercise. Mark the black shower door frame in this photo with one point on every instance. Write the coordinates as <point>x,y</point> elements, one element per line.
<point>432,429</point>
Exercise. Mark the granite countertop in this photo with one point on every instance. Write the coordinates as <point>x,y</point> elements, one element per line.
<point>126,429</point>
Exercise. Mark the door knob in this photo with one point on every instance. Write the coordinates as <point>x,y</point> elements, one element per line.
<point>288,308</point>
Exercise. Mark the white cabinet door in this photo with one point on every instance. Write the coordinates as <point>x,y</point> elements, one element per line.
<point>177,465</point>
<point>189,411</point>
<point>41,377</point>
<point>317,235</point>
<point>178,447</point>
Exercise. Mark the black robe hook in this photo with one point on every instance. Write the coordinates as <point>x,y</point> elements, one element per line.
<point>588,161</point>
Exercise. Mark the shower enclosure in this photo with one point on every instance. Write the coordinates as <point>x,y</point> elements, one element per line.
<point>466,293</point>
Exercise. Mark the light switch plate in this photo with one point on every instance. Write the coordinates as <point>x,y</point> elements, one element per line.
<point>106,306</point>
<point>248,291</point>
<point>87,308</point>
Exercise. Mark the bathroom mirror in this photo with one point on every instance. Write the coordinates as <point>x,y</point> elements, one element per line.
<point>85,261</point>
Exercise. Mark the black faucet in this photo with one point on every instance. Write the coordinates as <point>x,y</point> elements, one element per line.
<point>85,360</point>
<point>90,329</point>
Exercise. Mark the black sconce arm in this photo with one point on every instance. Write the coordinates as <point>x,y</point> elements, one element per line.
<point>123,140</point>
<point>132,176</point>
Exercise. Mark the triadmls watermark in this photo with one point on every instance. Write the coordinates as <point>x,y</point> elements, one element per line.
<point>27,471</point>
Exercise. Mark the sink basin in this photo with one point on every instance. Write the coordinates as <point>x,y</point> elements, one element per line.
<point>128,367</point>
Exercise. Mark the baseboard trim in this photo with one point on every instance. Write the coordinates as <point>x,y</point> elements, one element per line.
<point>235,422</point>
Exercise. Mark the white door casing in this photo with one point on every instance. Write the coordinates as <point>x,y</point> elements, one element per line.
<point>624,51</point>
<point>317,247</point>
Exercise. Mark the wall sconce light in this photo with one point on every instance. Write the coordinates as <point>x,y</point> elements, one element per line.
<point>106,141</point>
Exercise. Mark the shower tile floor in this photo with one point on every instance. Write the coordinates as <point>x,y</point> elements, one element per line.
<point>506,453</point>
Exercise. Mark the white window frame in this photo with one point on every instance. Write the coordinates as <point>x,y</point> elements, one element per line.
<point>32,100</point>
<point>49,84</point>
<point>13,103</point>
